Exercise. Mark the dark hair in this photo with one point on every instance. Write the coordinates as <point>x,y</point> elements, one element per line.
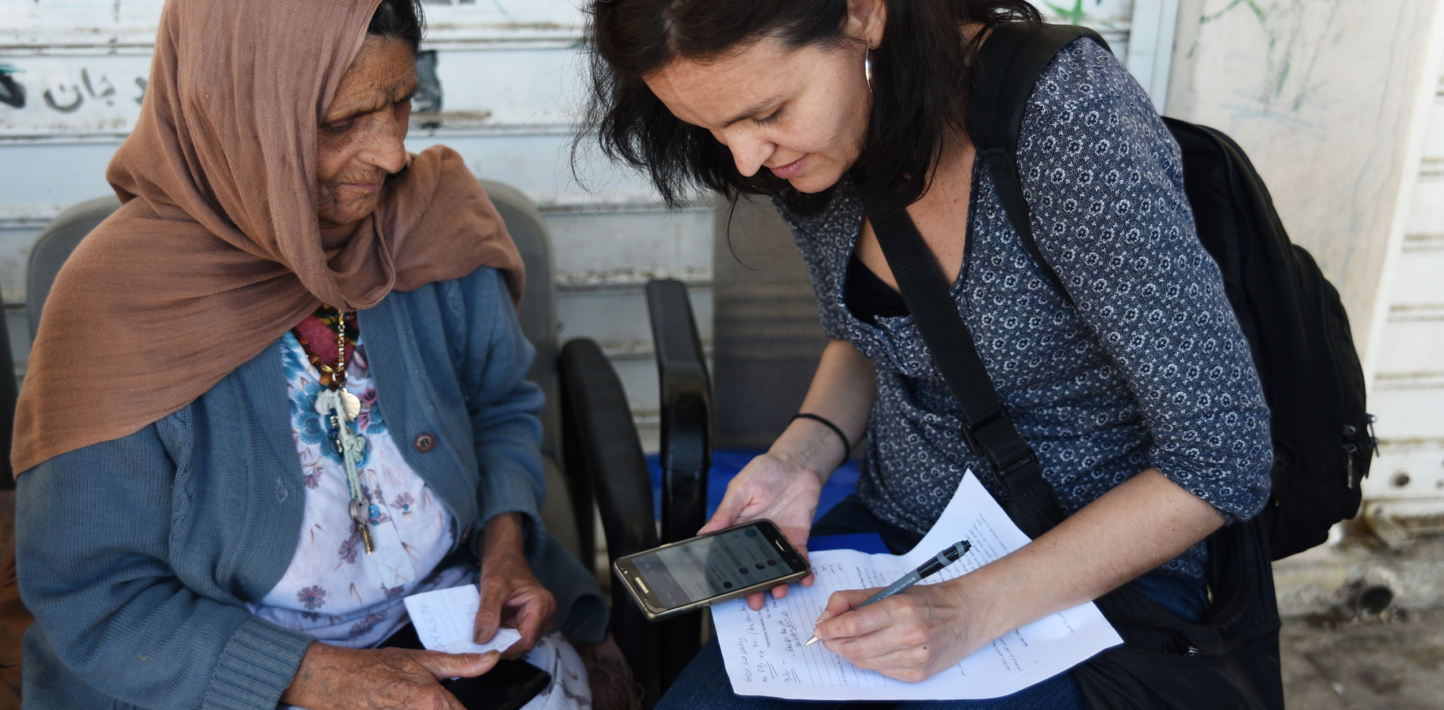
<point>398,19</point>
<point>920,81</point>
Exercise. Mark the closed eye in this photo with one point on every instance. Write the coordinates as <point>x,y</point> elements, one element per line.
<point>770,118</point>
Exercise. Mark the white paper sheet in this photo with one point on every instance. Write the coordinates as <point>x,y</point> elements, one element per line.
<point>445,619</point>
<point>763,650</point>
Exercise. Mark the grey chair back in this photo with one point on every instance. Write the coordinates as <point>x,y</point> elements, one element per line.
<point>8,393</point>
<point>766,336</point>
<point>538,312</point>
<point>567,510</point>
<point>53,247</point>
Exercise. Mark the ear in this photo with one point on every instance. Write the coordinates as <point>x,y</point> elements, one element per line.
<point>866,20</point>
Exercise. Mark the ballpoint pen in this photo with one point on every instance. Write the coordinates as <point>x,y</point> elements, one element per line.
<point>927,569</point>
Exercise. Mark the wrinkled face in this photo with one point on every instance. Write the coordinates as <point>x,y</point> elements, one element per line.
<point>800,113</point>
<point>361,139</point>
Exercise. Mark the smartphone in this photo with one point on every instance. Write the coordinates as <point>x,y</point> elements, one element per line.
<point>507,686</point>
<point>682,576</point>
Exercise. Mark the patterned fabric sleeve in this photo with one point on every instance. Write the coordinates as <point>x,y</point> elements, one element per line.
<point>818,238</point>
<point>1103,179</point>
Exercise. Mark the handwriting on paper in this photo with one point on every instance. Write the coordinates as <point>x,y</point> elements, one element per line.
<point>445,620</point>
<point>764,653</point>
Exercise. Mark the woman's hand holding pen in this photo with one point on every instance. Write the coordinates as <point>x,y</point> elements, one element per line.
<point>910,636</point>
<point>1138,525</point>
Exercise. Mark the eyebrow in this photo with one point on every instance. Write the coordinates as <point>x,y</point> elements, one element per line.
<point>380,105</point>
<point>753,110</point>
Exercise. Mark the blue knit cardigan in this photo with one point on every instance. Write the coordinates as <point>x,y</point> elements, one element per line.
<point>137,555</point>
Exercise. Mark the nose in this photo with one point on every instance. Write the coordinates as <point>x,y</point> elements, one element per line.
<point>386,142</point>
<point>750,149</point>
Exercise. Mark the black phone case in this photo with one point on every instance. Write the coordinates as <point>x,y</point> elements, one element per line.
<point>507,686</point>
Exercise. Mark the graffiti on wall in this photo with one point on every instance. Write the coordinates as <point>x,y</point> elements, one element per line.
<point>55,96</point>
<point>1078,14</point>
<point>69,99</point>
<point>1287,83</point>
<point>48,95</point>
<point>12,93</point>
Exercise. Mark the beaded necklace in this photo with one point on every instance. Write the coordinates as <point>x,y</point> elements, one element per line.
<point>339,408</point>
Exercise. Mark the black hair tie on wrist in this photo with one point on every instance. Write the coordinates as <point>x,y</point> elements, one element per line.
<point>846,445</point>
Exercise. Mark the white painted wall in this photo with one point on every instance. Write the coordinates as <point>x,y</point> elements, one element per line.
<point>511,76</point>
<point>1407,370</point>
<point>1340,105</point>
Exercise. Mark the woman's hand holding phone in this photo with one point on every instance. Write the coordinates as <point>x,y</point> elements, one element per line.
<point>785,483</point>
<point>768,487</point>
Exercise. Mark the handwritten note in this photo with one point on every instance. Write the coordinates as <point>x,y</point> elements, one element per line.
<point>763,650</point>
<point>444,620</point>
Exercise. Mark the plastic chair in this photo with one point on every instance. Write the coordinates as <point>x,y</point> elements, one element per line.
<point>600,444</point>
<point>567,511</point>
<point>686,454</point>
<point>8,393</point>
<point>53,247</point>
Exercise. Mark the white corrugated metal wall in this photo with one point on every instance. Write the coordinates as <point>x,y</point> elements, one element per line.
<point>509,72</point>
<point>1407,393</point>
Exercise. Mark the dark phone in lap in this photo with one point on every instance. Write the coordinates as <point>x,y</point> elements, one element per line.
<point>507,686</point>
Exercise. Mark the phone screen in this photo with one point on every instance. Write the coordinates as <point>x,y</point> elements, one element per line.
<point>710,566</point>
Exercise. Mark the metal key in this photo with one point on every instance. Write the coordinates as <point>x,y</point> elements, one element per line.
<point>358,514</point>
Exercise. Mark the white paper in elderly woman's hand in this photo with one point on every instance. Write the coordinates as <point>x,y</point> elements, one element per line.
<point>444,621</point>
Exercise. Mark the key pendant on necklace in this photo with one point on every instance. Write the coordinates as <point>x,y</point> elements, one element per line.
<point>335,423</point>
<point>363,527</point>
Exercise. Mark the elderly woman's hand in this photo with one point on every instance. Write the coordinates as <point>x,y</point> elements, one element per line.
<point>511,596</point>
<point>332,677</point>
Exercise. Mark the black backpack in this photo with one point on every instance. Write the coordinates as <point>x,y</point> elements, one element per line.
<point>1293,319</point>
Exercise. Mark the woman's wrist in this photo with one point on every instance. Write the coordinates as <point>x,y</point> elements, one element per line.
<point>985,611</point>
<point>810,446</point>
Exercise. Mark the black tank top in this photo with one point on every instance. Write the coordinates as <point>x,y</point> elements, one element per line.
<point>867,296</point>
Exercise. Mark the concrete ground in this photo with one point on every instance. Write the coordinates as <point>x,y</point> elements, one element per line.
<point>1364,625</point>
<point>1391,662</point>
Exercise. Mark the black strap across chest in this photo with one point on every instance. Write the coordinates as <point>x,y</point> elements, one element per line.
<point>1008,65</point>
<point>987,430</point>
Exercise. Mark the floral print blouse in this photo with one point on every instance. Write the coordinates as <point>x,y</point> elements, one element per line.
<point>333,589</point>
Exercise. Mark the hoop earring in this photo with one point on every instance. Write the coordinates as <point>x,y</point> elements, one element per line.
<point>867,69</point>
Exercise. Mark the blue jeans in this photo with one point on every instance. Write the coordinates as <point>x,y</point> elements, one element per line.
<point>704,684</point>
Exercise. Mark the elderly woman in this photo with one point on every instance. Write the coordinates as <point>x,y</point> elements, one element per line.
<point>280,390</point>
<point>1142,407</point>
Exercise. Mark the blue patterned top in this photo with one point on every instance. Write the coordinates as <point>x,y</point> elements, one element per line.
<point>1148,369</point>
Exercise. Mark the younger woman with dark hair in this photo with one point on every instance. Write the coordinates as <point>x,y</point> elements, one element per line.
<point>1135,389</point>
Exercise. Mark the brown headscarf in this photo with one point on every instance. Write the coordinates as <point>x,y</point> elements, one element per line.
<point>217,250</point>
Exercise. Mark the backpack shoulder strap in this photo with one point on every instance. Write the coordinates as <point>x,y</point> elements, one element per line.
<point>986,428</point>
<point>1008,66</point>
